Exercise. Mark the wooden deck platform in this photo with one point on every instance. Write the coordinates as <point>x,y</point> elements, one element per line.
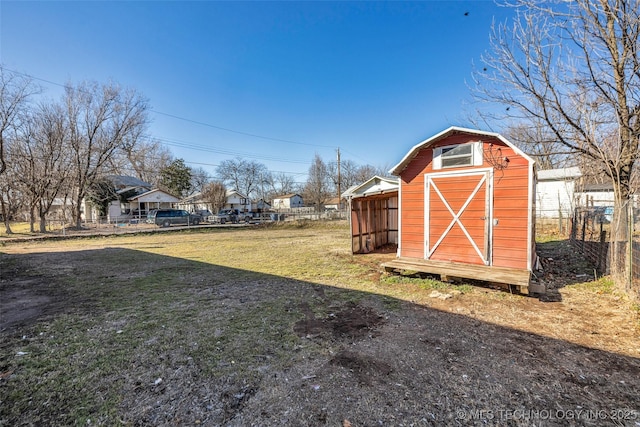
<point>502,275</point>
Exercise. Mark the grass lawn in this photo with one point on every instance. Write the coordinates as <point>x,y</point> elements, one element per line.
<point>282,325</point>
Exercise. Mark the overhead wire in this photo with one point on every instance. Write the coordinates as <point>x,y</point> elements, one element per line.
<point>198,147</point>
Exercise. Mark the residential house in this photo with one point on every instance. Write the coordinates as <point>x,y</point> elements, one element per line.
<point>335,203</point>
<point>287,201</point>
<point>237,200</point>
<point>141,204</point>
<point>556,192</point>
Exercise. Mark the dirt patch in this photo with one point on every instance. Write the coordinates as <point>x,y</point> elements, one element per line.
<point>352,321</point>
<point>25,299</point>
<point>365,368</point>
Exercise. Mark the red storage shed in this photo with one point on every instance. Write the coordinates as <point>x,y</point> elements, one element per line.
<point>467,209</point>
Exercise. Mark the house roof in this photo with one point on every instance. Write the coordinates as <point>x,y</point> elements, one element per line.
<point>232,192</point>
<point>397,169</point>
<point>559,174</point>
<point>193,198</point>
<point>374,185</point>
<point>126,189</point>
<point>604,187</point>
<point>286,196</point>
<point>125,181</point>
<point>155,195</point>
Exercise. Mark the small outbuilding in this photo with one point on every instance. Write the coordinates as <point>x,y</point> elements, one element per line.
<point>373,207</point>
<point>467,206</point>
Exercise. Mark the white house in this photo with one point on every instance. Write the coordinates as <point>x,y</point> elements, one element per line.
<point>234,200</point>
<point>141,204</point>
<point>237,200</point>
<point>556,192</point>
<point>287,201</point>
<point>129,186</point>
<point>194,203</point>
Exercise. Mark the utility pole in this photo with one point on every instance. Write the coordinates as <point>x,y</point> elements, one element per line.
<point>339,179</point>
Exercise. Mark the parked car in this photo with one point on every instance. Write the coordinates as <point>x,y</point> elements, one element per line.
<point>168,217</point>
<point>206,214</point>
<point>233,216</point>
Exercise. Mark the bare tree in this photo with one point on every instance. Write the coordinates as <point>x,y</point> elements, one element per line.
<point>242,175</point>
<point>215,195</point>
<point>12,199</point>
<point>575,67</point>
<point>277,184</point>
<point>317,189</point>
<point>537,140</point>
<point>15,91</point>
<point>199,179</point>
<point>352,174</point>
<point>147,158</point>
<point>100,120</point>
<point>42,160</point>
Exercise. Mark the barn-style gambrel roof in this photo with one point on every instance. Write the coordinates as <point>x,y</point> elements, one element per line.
<point>397,169</point>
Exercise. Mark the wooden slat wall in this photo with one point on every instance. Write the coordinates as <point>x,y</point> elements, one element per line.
<point>373,222</point>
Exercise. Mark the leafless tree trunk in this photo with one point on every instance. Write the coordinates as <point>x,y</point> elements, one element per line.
<point>15,92</point>
<point>317,190</point>
<point>100,119</point>
<point>575,67</point>
<point>11,197</point>
<point>215,195</point>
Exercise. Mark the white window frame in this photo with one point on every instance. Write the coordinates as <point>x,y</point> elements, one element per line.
<point>475,156</point>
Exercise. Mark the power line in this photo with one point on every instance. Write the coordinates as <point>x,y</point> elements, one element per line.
<point>193,146</point>
<point>174,116</point>
<point>253,135</point>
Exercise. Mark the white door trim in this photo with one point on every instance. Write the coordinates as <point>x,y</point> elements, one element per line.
<point>486,178</point>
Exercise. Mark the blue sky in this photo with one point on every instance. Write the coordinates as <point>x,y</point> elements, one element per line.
<point>274,82</point>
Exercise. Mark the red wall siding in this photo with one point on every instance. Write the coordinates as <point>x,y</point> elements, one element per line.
<point>511,210</point>
<point>412,206</point>
<point>510,202</point>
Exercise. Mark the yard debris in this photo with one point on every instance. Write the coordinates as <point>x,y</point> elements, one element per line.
<point>437,294</point>
<point>21,353</point>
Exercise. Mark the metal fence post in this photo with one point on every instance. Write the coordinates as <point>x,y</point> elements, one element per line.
<point>630,243</point>
<point>584,228</point>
